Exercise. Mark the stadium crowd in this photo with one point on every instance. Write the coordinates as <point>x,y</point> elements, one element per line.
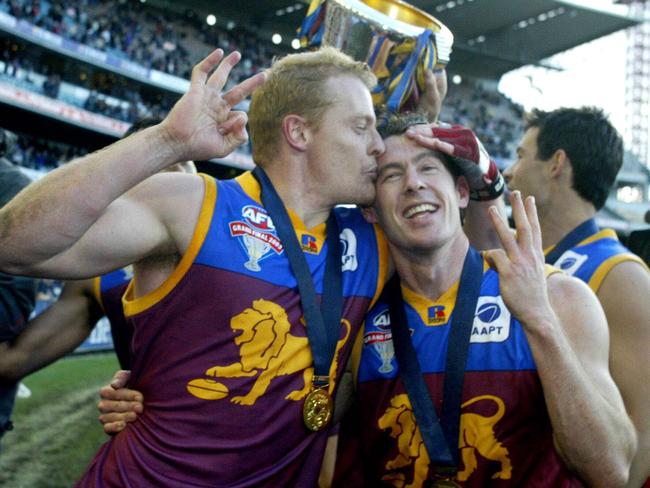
<point>155,40</point>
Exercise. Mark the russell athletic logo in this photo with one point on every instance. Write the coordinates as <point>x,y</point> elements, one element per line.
<point>308,244</point>
<point>436,315</point>
<point>491,322</point>
<point>256,233</point>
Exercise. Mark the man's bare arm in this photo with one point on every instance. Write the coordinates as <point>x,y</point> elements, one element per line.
<point>41,229</point>
<point>52,334</point>
<point>624,295</point>
<point>567,333</point>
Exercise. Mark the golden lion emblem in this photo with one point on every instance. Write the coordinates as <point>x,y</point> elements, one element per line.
<point>266,350</point>
<point>476,435</point>
<point>400,420</point>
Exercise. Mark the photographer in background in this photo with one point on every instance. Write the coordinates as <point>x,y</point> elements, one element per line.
<point>17,293</point>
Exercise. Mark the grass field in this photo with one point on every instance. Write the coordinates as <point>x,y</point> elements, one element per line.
<point>56,431</point>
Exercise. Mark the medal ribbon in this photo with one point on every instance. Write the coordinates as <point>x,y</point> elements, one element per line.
<point>323,323</point>
<point>312,28</point>
<point>401,73</point>
<point>440,435</point>
<point>577,235</point>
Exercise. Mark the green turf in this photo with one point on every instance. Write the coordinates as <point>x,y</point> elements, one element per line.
<point>56,430</point>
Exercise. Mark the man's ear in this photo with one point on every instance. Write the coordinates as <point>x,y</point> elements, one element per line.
<point>462,187</point>
<point>370,215</point>
<point>294,128</point>
<point>559,164</point>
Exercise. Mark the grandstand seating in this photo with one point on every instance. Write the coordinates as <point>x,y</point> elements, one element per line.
<point>155,42</point>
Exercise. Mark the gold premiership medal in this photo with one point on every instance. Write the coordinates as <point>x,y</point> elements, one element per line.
<point>317,409</point>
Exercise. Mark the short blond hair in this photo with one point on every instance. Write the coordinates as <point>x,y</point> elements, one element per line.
<point>296,85</point>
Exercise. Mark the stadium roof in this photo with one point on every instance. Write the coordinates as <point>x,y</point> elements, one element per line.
<point>492,37</point>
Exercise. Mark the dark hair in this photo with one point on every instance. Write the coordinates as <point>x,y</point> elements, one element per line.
<point>140,124</point>
<point>590,141</point>
<point>395,124</point>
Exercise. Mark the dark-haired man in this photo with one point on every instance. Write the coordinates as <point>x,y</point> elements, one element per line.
<point>536,404</point>
<point>568,160</point>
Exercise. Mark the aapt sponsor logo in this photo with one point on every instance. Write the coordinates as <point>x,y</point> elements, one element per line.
<point>491,321</point>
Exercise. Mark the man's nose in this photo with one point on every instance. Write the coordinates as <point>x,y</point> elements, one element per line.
<point>413,180</point>
<point>377,146</point>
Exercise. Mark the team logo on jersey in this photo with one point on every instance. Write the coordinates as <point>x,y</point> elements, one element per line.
<point>491,321</point>
<point>349,248</point>
<point>570,262</point>
<point>308,244</point>
<point>477,436</point>
<point>436,315</point>
<point>381,341</point>
<point>256,233</point>
<point>267,350</point>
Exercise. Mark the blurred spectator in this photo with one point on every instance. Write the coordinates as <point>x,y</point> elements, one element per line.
<point>51,86</point>
<point>17,294</point>
<point>42,155</point>
<point>141,33</point>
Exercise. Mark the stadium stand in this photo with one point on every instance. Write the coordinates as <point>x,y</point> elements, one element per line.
<point>156,40</point>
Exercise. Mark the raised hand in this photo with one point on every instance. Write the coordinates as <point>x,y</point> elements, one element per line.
<point>520,263</point>
<point>485,180</point>
<point>435,90</point>
<point>202,124</point>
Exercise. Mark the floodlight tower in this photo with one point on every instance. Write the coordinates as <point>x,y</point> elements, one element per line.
<point>637,82</point>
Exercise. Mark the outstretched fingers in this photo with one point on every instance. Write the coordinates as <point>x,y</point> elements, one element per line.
<point>202,70</point>
<point>242,90</point>
<point>524,232</point>
<point>219,78</point>
<point>535,228</point>
<point>506,237</point>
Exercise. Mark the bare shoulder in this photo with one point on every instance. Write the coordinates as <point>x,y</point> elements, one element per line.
<point>626,285</point>
<point>568,290</point>
<point>581,315</point>
<point>175,197</point>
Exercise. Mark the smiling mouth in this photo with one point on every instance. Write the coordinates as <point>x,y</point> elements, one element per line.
<point>420,209</point>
